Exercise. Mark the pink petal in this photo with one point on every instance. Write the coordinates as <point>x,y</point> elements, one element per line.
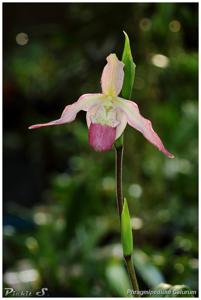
<point>101,137</point>
<point>112,76</point>
<point>69,114</point>
<point>137,121</point>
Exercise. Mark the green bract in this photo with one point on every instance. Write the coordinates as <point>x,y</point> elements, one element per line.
<point>126,230</point>
<point>129,69</point>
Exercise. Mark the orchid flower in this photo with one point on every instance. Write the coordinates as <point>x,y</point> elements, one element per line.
<point>107,114</point>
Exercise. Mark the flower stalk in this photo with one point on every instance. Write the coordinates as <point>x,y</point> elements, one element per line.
<point>120,201</point>
<point>119,161</point>
<point>131,272</point>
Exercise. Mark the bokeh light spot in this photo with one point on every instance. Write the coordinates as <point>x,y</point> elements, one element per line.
<point>175,26</point>
<point>117,251</point>
<point>108,184</point>
<point>179,268</point>
<point>159,260</point>
<point>193,263</point>
<point>31,243</point>
<point>135,190</point>
<point>145,24</point>
<point>28,275</point>
<point>160,60</point>
<point>184,243</point>
<point>8,230</point>
<point>22,39</point>
<point>172,168</point>
<point>163,215</point>
<point>136,223</point>
<point>41,218</point>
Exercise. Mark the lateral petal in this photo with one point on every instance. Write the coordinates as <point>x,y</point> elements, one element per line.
<point>137,121</point>
<point>85,102</point>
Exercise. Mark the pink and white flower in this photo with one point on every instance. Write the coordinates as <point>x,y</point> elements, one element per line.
<point>107,114</point>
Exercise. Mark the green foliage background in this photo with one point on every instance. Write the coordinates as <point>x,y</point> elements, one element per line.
<point>60,217</point>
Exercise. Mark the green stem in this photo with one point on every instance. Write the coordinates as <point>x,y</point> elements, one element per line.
<point>120,200</point>
<point>119,193</point>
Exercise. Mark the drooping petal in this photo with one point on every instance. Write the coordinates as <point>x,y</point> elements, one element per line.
<point>101,137</point>
<point>85,102</point>
<point>112,76</point>
<point>137,121</point>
